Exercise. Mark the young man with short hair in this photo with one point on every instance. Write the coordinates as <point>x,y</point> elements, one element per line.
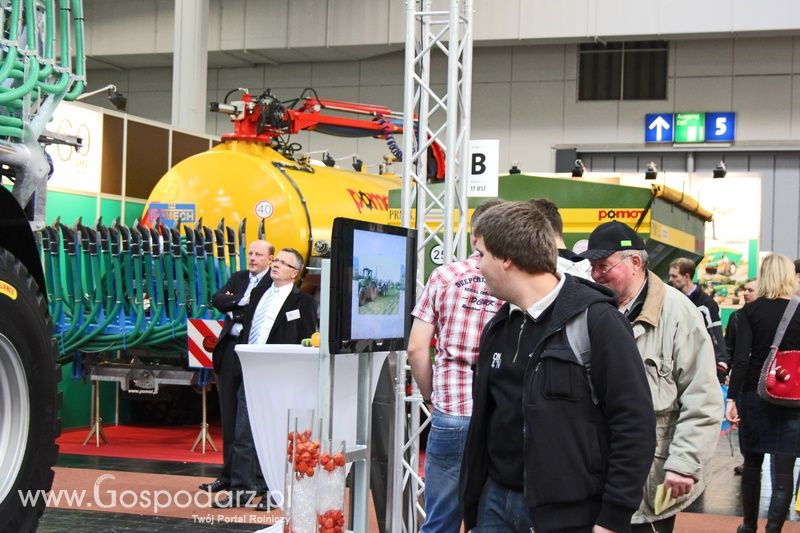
<point>681,276</point>
<point>562,431</point>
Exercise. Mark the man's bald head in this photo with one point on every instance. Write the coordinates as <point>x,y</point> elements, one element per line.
<point>259,255</point>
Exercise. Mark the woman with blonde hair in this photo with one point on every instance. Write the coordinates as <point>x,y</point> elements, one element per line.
<point>764,427</point>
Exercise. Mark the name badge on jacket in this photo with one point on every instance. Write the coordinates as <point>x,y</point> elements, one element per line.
<point>294,314</point>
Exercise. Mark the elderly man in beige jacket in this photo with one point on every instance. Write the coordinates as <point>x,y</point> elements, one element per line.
<point>679,361</point>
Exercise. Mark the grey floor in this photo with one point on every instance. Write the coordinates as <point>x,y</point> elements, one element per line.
<point>723,493</point>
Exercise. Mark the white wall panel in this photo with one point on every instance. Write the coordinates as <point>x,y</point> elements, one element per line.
<point>153,105</point>
<point>796,55</point>
<point>571,62</point>
<point>765,14</point>
<point>536,123</point>
<point>246,78</point>
<point>232,16</point>
<point>118,27</point>
<point>216,123</point>
<point>550,19</point>
<point>490,65</point>
<point>490,115</point>
<point>165,27</point>
<point>496,18</point>
<point>762,56</point>
<point>308,23</point>
<point>115,28</point>
<point>157,79</point>
<point>691,16</point>
<point>265,24</point>
<point>707,94</point>
<point>383,70</point>
<point>763,164</point>
<point>335,74</point>
<point>438,70</point>
<point>538,63</point>
<point>389,95</point>
<point>354,22</point>
<point>786,206</point>
<point>763,106</point>
<point>626,164</point>
<point>768,107</point>
<point>102,77</point>
<point>620,17</point>
<point>630,122</point>
<point>289,75</point>
<point>588,122</point>
<point>794,132</point>
<point>703,57</point>
<point>397,21</point>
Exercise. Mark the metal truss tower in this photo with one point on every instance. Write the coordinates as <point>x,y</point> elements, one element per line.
<point>438,36</point>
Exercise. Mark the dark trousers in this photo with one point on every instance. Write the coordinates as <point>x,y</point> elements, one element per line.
<point>244,461</point>
<point>229,379</point>
<point>240,468</point>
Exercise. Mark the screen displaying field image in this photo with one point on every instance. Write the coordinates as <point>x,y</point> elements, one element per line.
<point>379,271</point>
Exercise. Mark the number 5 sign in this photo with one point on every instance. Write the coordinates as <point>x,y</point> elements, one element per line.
<point>720,127</point>
<point>484,165</point>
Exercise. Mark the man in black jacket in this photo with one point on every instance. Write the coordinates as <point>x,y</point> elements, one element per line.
<point>277,314</point>
<point>232,299</point>
<point>681,276</point>
<point>558,440</point>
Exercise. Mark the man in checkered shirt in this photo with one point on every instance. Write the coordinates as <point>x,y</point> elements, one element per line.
<point>454,306</point>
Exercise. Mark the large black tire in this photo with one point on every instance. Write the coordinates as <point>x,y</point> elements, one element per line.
<point>362,296</point>
<point>373,291</point>
<point>28,387</point>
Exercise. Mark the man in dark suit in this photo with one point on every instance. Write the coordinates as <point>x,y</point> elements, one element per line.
<point>232,299</point>
<point>277,314</point>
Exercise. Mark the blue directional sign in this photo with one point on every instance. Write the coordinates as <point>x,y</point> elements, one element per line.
<point>720,127</point>
<point>658,128</point>
<point>680,128</point>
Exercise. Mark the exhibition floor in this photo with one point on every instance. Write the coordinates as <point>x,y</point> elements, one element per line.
<point>717,511</point>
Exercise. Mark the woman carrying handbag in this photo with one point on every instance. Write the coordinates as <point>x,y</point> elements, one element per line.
<point>766,427</point>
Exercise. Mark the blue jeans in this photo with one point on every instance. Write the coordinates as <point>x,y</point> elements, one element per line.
<point>502,510</point>
<point>446,440</point>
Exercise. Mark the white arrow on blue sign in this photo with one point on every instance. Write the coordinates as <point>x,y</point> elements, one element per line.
<point>658,128</point>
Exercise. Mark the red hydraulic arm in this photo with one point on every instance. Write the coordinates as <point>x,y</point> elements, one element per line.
<point>263,118</point>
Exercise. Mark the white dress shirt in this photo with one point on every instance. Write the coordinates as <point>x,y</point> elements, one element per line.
<point>271,304</point>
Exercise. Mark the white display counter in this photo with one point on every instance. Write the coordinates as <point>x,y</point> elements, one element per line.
<point>279,377</point>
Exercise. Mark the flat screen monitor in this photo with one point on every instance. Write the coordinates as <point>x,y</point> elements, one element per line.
<point>372,286</point>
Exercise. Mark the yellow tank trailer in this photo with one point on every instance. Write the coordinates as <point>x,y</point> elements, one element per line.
<point>245,179</point>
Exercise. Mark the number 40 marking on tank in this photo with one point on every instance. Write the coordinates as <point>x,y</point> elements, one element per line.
<point>264,209</point>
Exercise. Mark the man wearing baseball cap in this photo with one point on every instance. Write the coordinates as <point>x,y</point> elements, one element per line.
<point>679,360</point>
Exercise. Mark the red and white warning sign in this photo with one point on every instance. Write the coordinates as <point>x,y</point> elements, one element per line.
<point>202,335</point>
